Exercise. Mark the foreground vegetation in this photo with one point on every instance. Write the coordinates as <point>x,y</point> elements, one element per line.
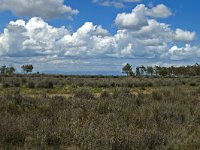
<point>99,113</point>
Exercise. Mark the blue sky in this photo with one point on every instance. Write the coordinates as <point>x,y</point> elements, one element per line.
<point>98,35</point>
<point>185,13</point>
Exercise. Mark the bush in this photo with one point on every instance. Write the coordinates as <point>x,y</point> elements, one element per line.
<point>157,95</point>
<point>6,85</point>
<point>121,92</point>
<point>14,137</point>
<point>45,84</point>
<point>31,85</point>
<point>53,140</point>
<point>16,84</point>
<point>150,84</point>
<point>105,94</point>
<point>83,93</point>
<point>193,84</point>
<point>114,119</point>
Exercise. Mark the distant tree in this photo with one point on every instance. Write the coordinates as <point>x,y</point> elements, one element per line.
<point>150,70</point>
<point>27,68</point>
<point>127,69</point>
<point>137,71</point>
<point>23,69</point>
<point>189,70</point>
<point>142,70</point>
<point>172,70</point>
<point>162,71</point>
<point>197,69</point>
<point>156,69</point>
<point>3,70</point>
<point>10,70</point>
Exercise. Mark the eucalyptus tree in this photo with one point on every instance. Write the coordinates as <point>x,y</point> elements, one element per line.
<point>27,68</point>
<point>3,70</point>
<point>127,69</point>
<point>150,70</point>
<point>10,70</point>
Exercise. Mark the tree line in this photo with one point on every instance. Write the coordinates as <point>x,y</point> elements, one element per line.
<point>189,70</point>
<point>10,70</point>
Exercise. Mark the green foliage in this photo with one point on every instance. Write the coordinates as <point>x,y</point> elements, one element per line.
<point>4,70</point>
<point>45,84</point>
<point>5,85</point>
<point>127,69</point>
<point>31,85</point>
<point>10,70</point>
<point>193,70</point>
<point>150,70</point>
<point>27,68</point>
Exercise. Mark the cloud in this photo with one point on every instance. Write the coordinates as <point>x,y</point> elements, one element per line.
<point>47,9</point>
<point>140,38</point>
<point>140,15</point>
<point>186,36</point>
<point>159,11</point>
<point>114,3</point>
<point>38,38</point>
<point>185,52</point>
<point>135,19</point>
<point>35,37</point>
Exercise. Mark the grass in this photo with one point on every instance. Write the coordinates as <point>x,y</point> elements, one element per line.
<point>100,113</point>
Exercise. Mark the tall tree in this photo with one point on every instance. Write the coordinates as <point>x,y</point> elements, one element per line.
<point>150,70</point>
<point>137,71</point>
<point>27,68</point>
<point>142,70</point>
<point>10,70</point>
<point>3,70</point>
<point>127,69</point>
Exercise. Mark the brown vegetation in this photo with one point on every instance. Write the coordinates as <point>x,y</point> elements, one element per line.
<point>100,114</point>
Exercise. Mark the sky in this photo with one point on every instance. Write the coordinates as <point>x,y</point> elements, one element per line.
<point>98,36</point>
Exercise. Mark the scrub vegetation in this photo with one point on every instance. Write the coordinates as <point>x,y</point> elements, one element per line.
<point>99,113</point>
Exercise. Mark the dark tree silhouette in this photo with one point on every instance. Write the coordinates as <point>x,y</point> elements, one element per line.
<point>27,68</point>
<point>127,69</point>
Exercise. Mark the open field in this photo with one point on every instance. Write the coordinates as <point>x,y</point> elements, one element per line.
<point>99,113</point>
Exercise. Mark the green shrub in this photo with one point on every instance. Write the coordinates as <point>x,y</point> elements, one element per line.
<point>16,138</point>
<point>45,84</point>
<point>105,94</point>
<point>53,140</point>
<point>31,85</point>
<point>121,92</point>
<point>83,93</point>
<point>5,85</point>
<point>193,84</point>
<point>16,84</point>
<point>157,95</point>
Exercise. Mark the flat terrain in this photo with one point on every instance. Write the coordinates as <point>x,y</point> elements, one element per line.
<point>99,113</point>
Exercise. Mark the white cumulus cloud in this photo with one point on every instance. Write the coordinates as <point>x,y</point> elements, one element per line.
<point>47,9</point>
<point>140,15</point>
<point>159,11</point>
<point>185,52</point>
<point>182,35</point>
<point>135,19</point>
<point>139,36</point>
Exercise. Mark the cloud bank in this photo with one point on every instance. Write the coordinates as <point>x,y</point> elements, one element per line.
<point>139,36</point>
<point>47,9</point>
